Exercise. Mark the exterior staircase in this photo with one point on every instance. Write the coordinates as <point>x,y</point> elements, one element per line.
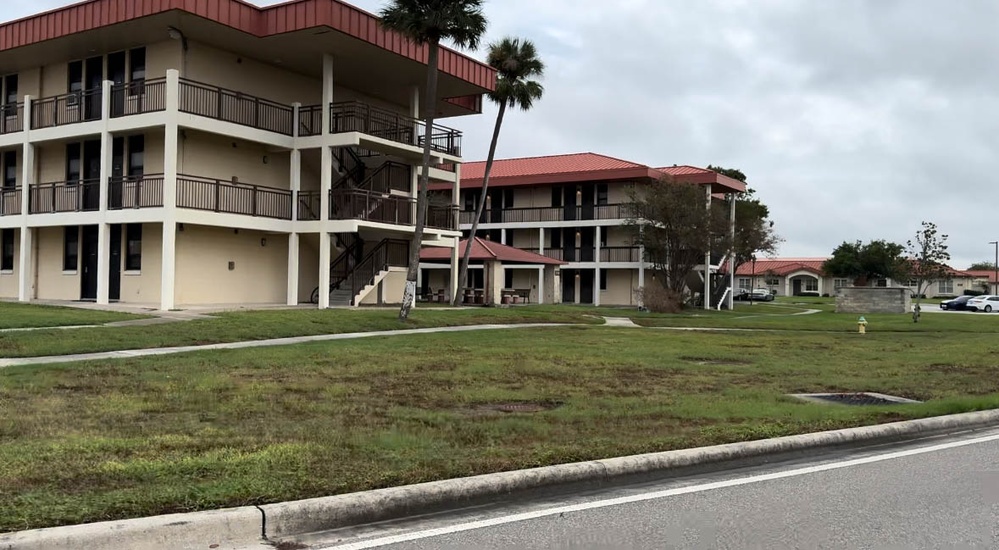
<point>353,279</point>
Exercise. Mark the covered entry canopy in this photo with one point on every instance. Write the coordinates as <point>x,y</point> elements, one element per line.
<point>493,256</point>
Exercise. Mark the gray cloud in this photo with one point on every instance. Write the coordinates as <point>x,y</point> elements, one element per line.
<point>854,119</point>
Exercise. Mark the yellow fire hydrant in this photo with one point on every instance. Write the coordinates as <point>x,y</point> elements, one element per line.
<point>862,325</point>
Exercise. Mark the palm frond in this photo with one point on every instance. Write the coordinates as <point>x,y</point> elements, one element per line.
<point>516,61</point>
<point>430,21</point>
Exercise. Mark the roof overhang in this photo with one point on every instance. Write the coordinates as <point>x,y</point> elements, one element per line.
<point>294,35</point>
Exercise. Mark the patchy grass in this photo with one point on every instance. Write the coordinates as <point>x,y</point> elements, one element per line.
<point>19,315</point>
<point>105,440</point>
<point>261,325</point>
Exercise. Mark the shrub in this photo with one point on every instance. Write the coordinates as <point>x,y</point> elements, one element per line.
<point>809,293</point>
<point>825,295</point>
<point>970,292</point>
<point>658,299</point>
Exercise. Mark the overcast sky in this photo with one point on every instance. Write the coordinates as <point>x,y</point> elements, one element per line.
<point>854,119</point>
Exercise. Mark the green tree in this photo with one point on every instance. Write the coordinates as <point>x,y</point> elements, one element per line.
<point>754,230</point>
<point>428,22</point>
<point>516,63</point>
<point>866,263</point>
<point>927,261</point>
<point>670,220</point>
<point>982,266</point>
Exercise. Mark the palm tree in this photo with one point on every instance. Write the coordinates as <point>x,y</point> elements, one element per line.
<point>427,22</point>
<point>516,62</point>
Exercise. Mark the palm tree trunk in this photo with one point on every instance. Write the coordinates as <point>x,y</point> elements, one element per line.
<point>466,259</point>
<point>429,109</point>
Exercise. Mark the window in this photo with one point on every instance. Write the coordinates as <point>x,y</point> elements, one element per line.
<point>840,283</point>
<point>508,198</point>
<point>73,162</point>
<point>745,283</point>
<point>136,155</point>
<point>945,287</point>
<point>71,248</point>
<point>603,279</point>
<point>10,169</point>
<point>811,285</point>
<point>137,70</point>
<point>556,238</point>
<point>508,278</point>
<point>6,250</point>
<point>601,194</point>
<point>556,197</point>
<point>10,95</point>
<point>882,283</point>
<point>75,80</point>
<point>133,247</point>
<point>471,201</point>
<point>912,283</point>
<point>772,281</point>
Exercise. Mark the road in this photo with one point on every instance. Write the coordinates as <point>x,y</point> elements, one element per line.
<point>935,493</point>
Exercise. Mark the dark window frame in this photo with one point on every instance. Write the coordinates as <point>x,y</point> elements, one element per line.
<point>133,247</point>
<point>6,250</point>
<point>136,71</point>
<point>9,161</point>
<point>556,196</point>
<point>603,279</point>
<point>136,145</point>
<point>601,194</point>
<point>74,152</point>
<point>71,248</point>
<point>508,278</point>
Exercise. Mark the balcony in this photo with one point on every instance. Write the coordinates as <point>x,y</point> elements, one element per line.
<point>139,97</point>
<point>353,204</point>
<point>71,108</point>
<point>354,116</point>
<point>64,196</point>
<point>11,118</point>
<point>549,214</point>
<point>145,191</point>
<point>608,254</point>
<point>10,201</point>
<point>235,107</point>
<point>621,254</point>
<point>226,197</point>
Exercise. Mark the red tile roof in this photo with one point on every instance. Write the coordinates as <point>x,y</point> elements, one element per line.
<point>295,15</point>
<point>483,250</point>
<point>990,274</point>
<point>781,266</point>
<point>582,167</point>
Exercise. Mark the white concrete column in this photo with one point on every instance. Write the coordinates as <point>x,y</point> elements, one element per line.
<point>325,183</point>
<point>596,285</point>
<point>456,196</point>
<point>502,236</point>
<point>171,148</point>
<point>328,92</point>
<point>293,268</point>
<point>27,158</point>
<point>103,229</point>
<point>454,267</point>
<point>707,256</point>
<point>324,269</point>
<point>541,285</point>
<point>169,269</point>
<point>414,112</point>
<point>103,263</point>
<point>541,241</point>
<point>26,262</point>
<point>731,255</point>
<point>596,244</point>
<point>641,267</point>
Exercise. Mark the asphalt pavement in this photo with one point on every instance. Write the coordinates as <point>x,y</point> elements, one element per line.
<point>938,492</point>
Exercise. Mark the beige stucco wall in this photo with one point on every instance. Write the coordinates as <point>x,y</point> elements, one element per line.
<point>308,266</point>
<point>259,276</point>
<point>523,238</point>
<point>619,236</point>
<point>392,287</point>
<point>143,286</point>
<point>50,160</point>
<point>622,285</point>
<point>53,283</point>
<point>238,72</point>
<point>8,279</point>
<point>212,156</point>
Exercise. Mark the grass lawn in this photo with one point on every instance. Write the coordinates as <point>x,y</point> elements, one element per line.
<point>126,438</point>
<point>18,315</point>
<point>259,325</point>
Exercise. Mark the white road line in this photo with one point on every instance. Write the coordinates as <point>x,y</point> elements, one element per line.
<point>527,516</point>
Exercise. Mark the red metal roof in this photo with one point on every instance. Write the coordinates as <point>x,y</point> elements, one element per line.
<point>582,167</point>
<point>292,16</point>
<point>483,250</point>
<point>782,267</point>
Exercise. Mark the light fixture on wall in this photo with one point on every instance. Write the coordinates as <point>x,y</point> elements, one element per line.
<point>263,242</point>
<point>175,34</point>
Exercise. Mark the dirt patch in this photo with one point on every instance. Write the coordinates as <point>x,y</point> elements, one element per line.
<point>705,361</point>
<point>511,407</point>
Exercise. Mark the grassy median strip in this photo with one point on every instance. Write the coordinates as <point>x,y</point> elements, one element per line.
<point>104,440</point>
<point>260,325</point>
<point>18,315</point>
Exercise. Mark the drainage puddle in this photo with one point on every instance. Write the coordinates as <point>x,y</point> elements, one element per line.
<point>855,398</point>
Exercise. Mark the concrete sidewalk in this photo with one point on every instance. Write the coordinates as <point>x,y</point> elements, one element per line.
<point>125,354</point>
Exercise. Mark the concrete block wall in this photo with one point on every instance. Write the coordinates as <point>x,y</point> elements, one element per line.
<point>873,300</point>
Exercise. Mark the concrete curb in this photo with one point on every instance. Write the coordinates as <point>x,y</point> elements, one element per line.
<point>323,514</point>
<point>241,528</point>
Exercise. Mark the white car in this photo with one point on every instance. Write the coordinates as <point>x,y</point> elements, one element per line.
<point>987,303</point>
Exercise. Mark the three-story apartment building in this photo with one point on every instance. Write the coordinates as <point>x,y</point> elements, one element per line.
<point>574,208</point>
<point>176,153</point>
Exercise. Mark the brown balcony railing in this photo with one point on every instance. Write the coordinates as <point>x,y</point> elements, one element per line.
<point>310,120</point>
<point>354,204</point>
<point>65,196</point>
<point>233,198</point>
<point>354,116</point>
<point>11,118</point>
<point>390,176</point>
<point>10,201</point>
<point>145,191</point>
<point>135,98</point>
<point>550,214</point>
<point>553,253</point>
<point>309,205</point>
<point>235,107</point>
<point>620,254</point>
<point>70,108</point>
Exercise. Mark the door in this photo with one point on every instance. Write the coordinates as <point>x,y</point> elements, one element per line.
<point>117,173</point>
<point>114,274</point>
<point>586,286</point>
<point>91,175</point>
<point>116,74</point>
<point>796,287</point>
<point>568,286</point>
<point>586,207</point>
<point>94,70</point>
<point>569,203</point>
<point>586,235</point>
<point>88,263</point>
